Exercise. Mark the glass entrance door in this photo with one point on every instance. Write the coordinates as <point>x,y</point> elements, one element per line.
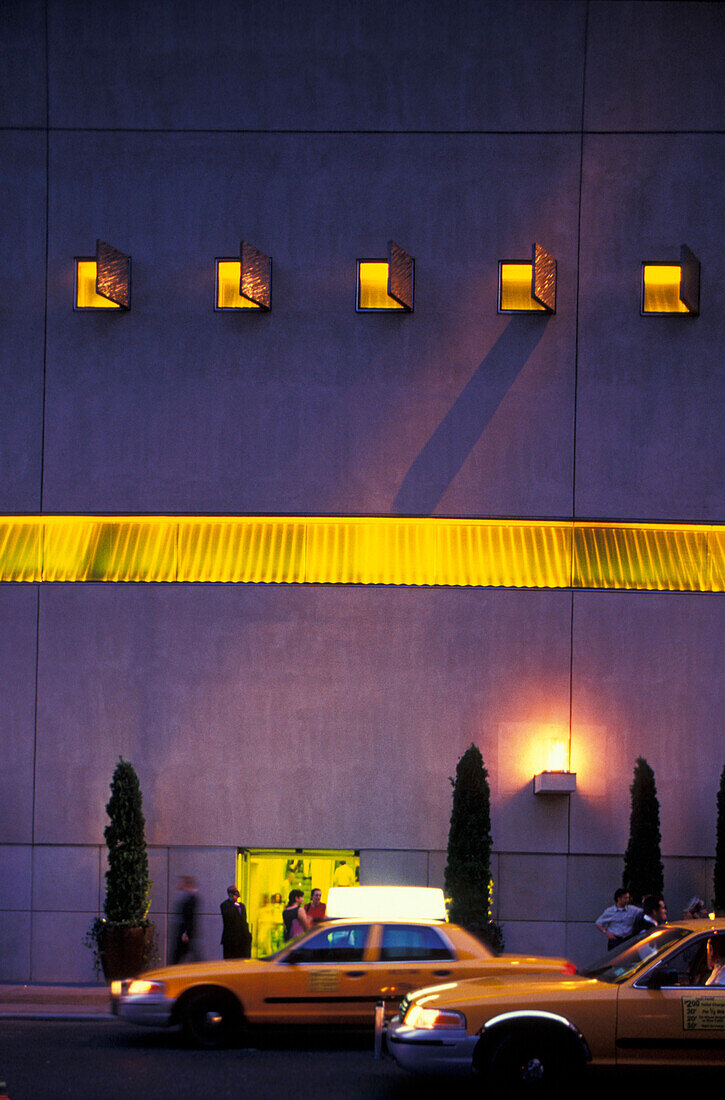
<point>265,877</point>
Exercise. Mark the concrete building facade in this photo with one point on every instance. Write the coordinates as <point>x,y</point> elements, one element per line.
<point>328,717</point>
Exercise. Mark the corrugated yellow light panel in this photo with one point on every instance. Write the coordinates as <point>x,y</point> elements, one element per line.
<point>471,553</point>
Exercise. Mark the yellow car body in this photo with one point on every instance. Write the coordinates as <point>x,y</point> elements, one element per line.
<point>335,974</point>
<point>648,1003</point>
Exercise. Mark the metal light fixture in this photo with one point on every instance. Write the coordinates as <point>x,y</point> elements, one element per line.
<point>528,286</point>
<point>384,285</point>
<point>244,283</point>
<point>556,778</point>
<point>671,288</point>
<point>103,281</point>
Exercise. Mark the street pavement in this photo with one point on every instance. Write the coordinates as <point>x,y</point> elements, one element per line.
<point>54,1002</point>
<point>62,1041</point>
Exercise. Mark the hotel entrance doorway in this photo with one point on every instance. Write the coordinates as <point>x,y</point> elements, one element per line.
<point>265,877</point>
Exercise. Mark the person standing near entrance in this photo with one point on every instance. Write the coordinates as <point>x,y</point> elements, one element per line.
<point>316,908</point>
<point>618,921</point>
<point>236,938</point>
<point>295,919</point>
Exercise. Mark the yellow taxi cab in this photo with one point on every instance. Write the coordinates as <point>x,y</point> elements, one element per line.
<point>334,974</point>
<point>657,1001</point>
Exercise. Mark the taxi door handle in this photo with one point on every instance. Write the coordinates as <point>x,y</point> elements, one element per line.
<point>441,973</point>
<point>354,973</point>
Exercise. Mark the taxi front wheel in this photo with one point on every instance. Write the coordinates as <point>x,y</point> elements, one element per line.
<point>211,1019</point>
<point>532,1064</point>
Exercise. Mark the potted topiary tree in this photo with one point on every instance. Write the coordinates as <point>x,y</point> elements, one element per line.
<point>122,939</point>
<point>468,879</point>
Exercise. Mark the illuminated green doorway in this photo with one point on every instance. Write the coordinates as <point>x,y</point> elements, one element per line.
<point>265,877</point>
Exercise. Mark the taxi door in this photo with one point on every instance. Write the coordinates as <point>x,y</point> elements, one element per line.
<point>326,979</point>
<point>670,1016</point>
<point>410,956</point>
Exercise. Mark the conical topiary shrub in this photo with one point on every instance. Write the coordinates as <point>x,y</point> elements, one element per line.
<point>718,878</point>
<point>643,872</point>
<point>468,881</point>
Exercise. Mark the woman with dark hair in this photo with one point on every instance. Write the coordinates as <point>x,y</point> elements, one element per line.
<point>295,919</point>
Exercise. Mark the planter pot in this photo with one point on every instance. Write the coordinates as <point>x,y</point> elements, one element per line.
<point>124,951</point>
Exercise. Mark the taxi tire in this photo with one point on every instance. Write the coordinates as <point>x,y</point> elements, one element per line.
<point>211,1019</point>
<point>532,1063</point>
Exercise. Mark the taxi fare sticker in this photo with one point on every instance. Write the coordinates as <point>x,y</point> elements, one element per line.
<point>322,981</point>
<point>703,1013</point>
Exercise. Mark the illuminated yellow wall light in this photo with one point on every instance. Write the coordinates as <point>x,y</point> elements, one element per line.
<point>515,288</point>
<point>228,274</point>
<point>661,289</point>
<point>363,550</point>
<point>372,286</point>
<point>86,297</point>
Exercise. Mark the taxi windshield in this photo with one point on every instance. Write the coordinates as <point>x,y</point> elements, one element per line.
<point>617,966</point>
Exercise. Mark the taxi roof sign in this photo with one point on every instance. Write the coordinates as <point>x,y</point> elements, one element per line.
<point>386,903</point>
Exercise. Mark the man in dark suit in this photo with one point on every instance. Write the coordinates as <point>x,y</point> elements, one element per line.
<point>236,938</point>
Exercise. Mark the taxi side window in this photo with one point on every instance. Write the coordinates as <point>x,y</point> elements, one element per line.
<point>411,943</point>
<point>693,964</point>
<point>333,945</point>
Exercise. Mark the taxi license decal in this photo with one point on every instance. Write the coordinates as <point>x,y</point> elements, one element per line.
<point>323,981</point>
<point>703,1013</point>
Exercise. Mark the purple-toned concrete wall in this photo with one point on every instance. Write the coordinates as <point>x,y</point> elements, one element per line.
<point>315,717</point>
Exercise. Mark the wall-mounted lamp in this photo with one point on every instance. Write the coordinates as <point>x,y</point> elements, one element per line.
<point>672,288</point>
<point>556,779</point>
<point>244,283</point>
<point>386,284</point>
<point>103,282</point>
<point>528,286</point>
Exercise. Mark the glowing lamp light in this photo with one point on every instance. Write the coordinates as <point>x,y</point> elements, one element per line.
<point>528,286</point>
<point>386,903</point>
<point>103,281</point>
<point>672,288</point>
<point>556,779</point>
<point>386,284</point>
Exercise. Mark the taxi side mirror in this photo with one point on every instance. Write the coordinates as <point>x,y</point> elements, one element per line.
<point>662,977</point>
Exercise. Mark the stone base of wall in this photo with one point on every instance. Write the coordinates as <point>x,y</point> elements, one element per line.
<point>546,903</point>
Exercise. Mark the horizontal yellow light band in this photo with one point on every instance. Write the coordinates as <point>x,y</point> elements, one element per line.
<point>473,553</point>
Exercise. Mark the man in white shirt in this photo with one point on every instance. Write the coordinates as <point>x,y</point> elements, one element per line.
<point>617,921</point>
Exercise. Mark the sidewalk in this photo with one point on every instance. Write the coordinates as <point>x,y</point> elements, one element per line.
<point>55,1002</point>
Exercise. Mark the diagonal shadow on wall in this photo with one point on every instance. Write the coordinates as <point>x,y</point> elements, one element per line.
<point>455,437</point>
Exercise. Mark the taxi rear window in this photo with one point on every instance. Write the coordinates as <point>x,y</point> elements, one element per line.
<point>412,943</point>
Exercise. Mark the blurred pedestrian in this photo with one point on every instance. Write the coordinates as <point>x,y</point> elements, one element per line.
<point>185,920</point>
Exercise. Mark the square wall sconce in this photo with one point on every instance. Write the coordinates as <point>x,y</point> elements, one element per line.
<point>103,281</point>
<point>244,283</point>
<point>555,783</point>
<point>672,288</point>
<point>528,286</point>
<point>383,285</point>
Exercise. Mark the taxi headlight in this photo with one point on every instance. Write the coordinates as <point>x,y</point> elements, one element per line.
<point>433,1019</point>
<point>140,986</point>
